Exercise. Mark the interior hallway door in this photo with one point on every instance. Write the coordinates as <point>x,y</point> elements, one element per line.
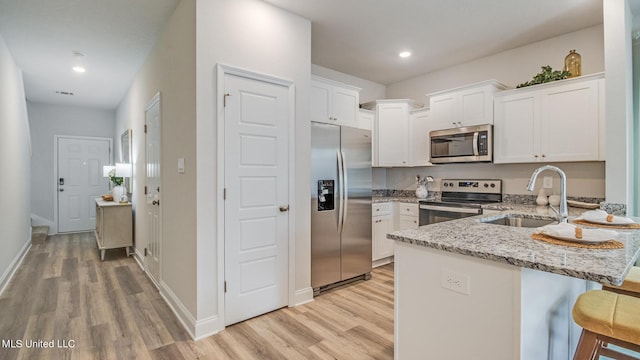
<point>80,181</point>
<point>153,251</point>
<point>256,119</point>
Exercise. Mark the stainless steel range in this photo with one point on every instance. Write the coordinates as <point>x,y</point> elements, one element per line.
<point>460,198</point>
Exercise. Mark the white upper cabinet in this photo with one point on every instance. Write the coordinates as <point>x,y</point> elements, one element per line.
<point>366,119</point>
<point>333,102</point>
<point>396,134</point>
<point>559,121</point>
<point>464,106</point>
<point>419,147</point>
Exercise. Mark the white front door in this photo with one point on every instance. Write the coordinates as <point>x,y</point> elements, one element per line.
<point>152,197</point>
<point>80,181</point>
<point>256,119</point>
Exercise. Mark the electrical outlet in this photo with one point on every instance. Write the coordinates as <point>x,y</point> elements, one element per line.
<point>455,281</point>
<point>547,182</point>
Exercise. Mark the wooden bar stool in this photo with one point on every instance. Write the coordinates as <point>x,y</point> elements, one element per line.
<point>630,286</point>
<point>607,318</point>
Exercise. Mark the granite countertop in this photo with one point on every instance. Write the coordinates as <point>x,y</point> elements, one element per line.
<point>405,199</point>
<point>512,245</point>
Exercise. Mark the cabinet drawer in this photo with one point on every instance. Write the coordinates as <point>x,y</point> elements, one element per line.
<point>408,209</point>
<point>382,209</point>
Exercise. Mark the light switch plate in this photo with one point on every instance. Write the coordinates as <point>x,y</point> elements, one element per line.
<point>547,182</point>
<point>181,166</point>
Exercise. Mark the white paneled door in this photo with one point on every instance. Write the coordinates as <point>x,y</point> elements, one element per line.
<point>80,181</point>
<point>152,192</point>
<point>256,118</point>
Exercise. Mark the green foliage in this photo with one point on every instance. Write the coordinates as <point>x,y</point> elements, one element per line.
<point>546,75</point>
<point>117,181</point>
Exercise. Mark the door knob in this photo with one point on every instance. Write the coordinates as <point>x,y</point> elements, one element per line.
<point>61,190</point>
<point>155,202</point>
<point>284,208</point>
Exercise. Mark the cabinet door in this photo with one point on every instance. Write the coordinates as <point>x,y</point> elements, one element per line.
<point>516,128</point>
<point>444,111</point>
<point>345,106</point>
<point>365,119</point>
<point>408,222</point>
<point>382,247</point>
<point>476,107</point>
<point>321,102</point>
<point>391,135</point>
<point>569,127</point>
<point>419,138</point>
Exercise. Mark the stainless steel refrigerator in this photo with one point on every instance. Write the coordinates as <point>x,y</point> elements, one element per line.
<point>340,204</point>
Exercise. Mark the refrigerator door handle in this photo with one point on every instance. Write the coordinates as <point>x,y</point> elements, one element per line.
<point>345,189</point>
<point>340,191</point>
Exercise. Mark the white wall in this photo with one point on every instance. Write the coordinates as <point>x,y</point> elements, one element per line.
<point>252,35</point>
<point>15,162</point>
<point>583,179</point>
<point>47,121</point>
<point>371,91</point>
<point>510,67</point>
<point>170,70</point>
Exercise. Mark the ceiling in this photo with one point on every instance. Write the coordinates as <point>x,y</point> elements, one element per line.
<point>363,38</point>
<point>358,37</point>
<point>114,35</point>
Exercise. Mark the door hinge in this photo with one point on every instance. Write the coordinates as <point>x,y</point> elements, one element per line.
<point>224,195</point>
<point>224,101</point>
<point>145,251</point>
<point>145,128</point>
<point>225,287</point>
<point>145,189</point>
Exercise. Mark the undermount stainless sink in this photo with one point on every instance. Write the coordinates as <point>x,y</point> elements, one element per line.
<point>520,221</point>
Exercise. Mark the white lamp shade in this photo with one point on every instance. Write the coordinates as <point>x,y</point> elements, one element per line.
<point>107,169</point>
<point>123,170</point>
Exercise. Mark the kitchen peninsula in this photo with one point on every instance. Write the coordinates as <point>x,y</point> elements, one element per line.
<point>468,289</point>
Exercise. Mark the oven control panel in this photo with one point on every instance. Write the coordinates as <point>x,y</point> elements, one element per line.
<point>487,186</point>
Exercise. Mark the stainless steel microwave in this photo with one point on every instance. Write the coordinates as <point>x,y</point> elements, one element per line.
<point>462,145</point>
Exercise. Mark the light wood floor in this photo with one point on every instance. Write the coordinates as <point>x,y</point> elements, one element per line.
<point>111,310</point>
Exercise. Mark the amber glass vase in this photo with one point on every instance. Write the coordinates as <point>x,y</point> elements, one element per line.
<point>573,64</point>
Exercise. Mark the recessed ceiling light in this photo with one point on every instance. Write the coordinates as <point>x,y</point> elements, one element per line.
<point>79,69</point>
<point>405,54</point>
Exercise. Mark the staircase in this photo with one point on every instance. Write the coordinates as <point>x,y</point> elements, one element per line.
<point>39,234</point>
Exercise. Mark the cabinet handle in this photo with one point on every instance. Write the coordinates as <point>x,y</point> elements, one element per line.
<point>543,155</point>
<point>535,156</point>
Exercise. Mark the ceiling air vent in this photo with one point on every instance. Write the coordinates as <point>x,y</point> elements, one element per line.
<point>64,93</point>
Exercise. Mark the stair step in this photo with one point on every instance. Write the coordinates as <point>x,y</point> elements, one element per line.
<point>39,234</point>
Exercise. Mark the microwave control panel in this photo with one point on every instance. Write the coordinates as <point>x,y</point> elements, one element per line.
<point>483,143</point>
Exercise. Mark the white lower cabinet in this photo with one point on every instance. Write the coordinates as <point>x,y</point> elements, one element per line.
<point>386,218</point>
<point>382,224</point>
<point>407,216</point>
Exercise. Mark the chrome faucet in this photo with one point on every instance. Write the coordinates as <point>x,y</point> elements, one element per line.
<point>563,214</point>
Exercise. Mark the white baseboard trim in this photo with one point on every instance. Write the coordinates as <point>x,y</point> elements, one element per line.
<point>197,329</point>
<point>139,258</point>
<point>15,263</point>
<point>303,296</point>
<point>40,221</point>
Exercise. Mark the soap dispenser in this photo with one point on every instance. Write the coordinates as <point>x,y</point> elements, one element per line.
<point>542,198</point>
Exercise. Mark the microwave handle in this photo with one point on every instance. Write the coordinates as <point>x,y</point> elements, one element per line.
<point>475,144</point>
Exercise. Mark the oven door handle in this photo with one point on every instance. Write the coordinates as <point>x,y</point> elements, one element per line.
<point>452,209</point>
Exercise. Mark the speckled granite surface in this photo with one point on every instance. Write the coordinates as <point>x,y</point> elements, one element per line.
<point>470,236</point>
